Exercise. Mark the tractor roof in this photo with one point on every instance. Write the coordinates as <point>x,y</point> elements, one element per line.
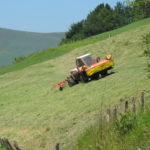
<point>80,57</point>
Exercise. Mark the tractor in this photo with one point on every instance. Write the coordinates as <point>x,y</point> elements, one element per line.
<point>88,68</point>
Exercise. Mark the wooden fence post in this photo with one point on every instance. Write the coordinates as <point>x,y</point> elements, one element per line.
<point>133,104</point>
<point>57,146</point>
<point>16,145</point>
<point>142,100</point>
<point>1,142</point>
<point>108,115</point>
<point>9,145</point>
<point>126,106</point>
<point>6,144</point>
<point>114,113</point>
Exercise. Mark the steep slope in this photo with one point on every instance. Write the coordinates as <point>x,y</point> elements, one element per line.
<point>37,115</point>
<point>19,43</point>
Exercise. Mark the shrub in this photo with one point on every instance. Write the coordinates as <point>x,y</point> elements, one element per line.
<point>125,123</point>
<point>146,43</point>
<point>18,59</point>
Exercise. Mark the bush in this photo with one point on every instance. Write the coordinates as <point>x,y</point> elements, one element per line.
<point>2,148</point>
<point>125,123</point>
<point>18,59</point>
<point>146,43</point>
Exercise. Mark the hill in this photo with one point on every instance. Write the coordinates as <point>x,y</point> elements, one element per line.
<point>38,116</point>
<point>20,43</point>
<point>63,49</point>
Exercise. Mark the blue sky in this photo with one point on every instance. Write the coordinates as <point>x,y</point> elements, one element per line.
<point>45,15</point>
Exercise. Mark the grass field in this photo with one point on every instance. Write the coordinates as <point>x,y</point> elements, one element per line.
<point>38,116</point>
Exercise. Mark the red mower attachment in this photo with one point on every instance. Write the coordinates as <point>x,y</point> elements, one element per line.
<point>61,85</point>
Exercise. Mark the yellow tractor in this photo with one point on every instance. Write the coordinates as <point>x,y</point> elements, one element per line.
<point>88,68</point>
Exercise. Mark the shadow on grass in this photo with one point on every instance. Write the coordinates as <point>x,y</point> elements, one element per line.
<point>100,77</point>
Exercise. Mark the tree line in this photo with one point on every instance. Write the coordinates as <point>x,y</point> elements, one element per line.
<point>105,18</point>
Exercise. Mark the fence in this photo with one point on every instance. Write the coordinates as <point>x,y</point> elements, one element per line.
<point>130,105</point>
<point>8,146</point>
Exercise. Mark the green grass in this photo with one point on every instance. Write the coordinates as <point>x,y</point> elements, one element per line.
<point>137,137</point>
<point>1,148</point>
<point>61,50</point>
<point>38,116</point>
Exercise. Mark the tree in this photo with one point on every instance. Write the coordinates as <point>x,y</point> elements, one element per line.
<point>99,20</point>
<point>141,9</point>
<point>123,14</point>
<point>104,18</point>
<point>76,31</point>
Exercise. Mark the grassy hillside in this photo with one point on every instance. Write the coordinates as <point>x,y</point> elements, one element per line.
<point>19,43</point>
<point>63,49</point>
<point>38,116</point>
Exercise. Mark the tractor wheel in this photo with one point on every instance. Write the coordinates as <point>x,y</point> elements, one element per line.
<point>83,77</point>
<point>104,73</point>
<point>60,88</point>
<point>71,82</point>
<point>95,76</point>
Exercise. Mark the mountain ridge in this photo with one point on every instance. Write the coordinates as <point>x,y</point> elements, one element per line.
<point>15,43</point>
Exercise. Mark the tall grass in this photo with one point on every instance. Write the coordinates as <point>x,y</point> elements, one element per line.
<point>128,132</point>
<point>1,148</point>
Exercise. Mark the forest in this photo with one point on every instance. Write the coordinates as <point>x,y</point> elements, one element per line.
<point>105,18</point>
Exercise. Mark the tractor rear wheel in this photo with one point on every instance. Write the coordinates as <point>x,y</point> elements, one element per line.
<point>71,82</point>
<point>104,73</point>
<point>83,77</point>
<point>95,76</point>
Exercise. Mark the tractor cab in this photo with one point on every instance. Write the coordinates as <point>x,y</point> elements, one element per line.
<point>85,60</point>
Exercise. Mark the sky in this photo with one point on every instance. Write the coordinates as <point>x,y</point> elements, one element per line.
<point>45,15</point>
